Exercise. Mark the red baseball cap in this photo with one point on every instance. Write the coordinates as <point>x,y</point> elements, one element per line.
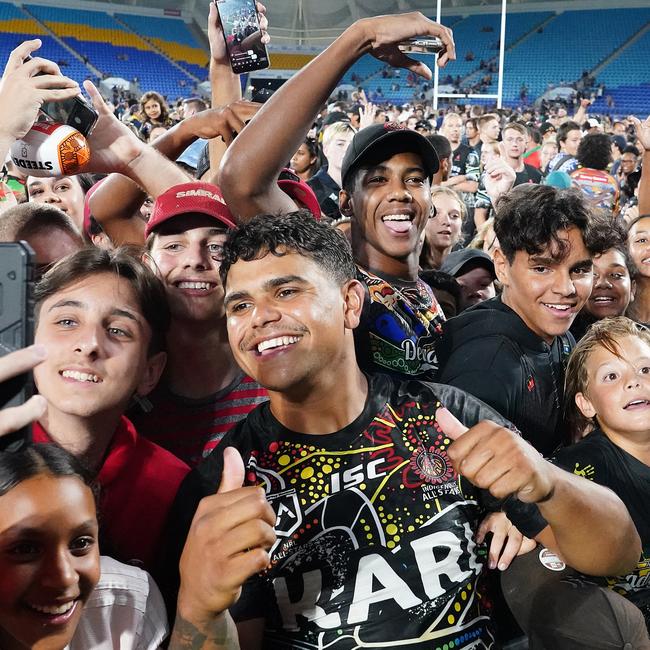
<point>187,198</point>
<point>291,184</point>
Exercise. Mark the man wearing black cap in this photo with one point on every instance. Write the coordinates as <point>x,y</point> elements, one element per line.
<point>385,175</point>
<point>474,272</point>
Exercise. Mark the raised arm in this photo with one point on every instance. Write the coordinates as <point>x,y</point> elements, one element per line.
<point>137,166</point>
<point>588,525</point>
<point>25,86</point>
<point>225,85</point>
<point>250,167</point>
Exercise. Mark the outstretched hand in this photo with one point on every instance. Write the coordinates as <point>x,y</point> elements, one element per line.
<point>386,32</point>
<point>113,146</point>
<point>498,176</point>
<point>497,459</point>
<point>26,84</point>
<point>224,122</point>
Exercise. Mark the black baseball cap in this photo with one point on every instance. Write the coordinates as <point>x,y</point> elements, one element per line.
<point>379,142</point>
<point>463,261</point>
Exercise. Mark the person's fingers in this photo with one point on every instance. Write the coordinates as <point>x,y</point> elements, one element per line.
<point>56,81</point>
<point>16,417</point>
<point>253,533</point>
<point>232,476</point>
<point>95,96</point>
<point>264,23</point>
<point>527,545</point>
<point>40,66</point>
<point>261,9</point>
<point>496,546</point>
<point>449,424</point>
<point>19,54</point>
<point>511,549</point>
<point>266,38</point>
<point>484,528</point>
<point>15,363</point>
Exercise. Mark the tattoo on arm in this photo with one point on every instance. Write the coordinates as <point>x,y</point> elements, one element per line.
<point>221,634</point>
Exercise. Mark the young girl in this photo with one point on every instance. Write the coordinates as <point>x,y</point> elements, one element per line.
<point>608,398</point>
<point>307,160</point>
<point>51,594</point>
<point>153,112</point>
<point>613,286</point>
<point>443,230</point>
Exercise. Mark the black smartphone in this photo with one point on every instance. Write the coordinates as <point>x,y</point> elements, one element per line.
<point>16,327</point>
<point>241,29</point>
<point>75,112</point>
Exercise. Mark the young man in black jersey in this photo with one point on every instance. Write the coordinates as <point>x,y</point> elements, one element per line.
<point>385,175</point>
<point>363,531</point>
<point>511,351</point>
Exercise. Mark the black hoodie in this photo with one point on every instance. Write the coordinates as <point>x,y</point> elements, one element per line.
<point>489,352</point>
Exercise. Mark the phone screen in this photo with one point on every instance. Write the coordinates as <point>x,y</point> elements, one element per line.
<point>16,326</point>
<point>241,29</point>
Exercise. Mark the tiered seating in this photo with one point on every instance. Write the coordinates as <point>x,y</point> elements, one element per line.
<point>573,42</point>
<point>174,38</point>
<point>627,80</point>
<point>113,50</point>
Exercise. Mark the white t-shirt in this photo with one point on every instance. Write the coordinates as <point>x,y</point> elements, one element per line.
<point>125,612</point>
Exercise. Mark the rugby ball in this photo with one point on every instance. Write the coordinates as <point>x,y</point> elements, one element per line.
<point>50,149</point>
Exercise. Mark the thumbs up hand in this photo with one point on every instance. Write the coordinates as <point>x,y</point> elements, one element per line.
<point>228,542</point>
<point>497,459</point>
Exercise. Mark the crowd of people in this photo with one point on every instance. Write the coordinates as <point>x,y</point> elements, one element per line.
<point>328,374</point>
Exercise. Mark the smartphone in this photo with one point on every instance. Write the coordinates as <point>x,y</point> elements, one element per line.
<point>421,45</point>
<point>241,30</point>
<point>75,112</point>
<point>17,262</point>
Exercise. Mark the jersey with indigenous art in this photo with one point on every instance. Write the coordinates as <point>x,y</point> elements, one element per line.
<point>375,530</point>
<point>400,325</point>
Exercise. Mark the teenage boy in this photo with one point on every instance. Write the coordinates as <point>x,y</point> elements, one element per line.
<point>326,183</point>
<point>568,140</point>
<point>363,529</point>
<point>515,138</point>
<point>102,316</point>
<point>608,395</point>
<point>385,176</point>
<point>489,130</point>
<point>203,392</point>
<point>511,351</point>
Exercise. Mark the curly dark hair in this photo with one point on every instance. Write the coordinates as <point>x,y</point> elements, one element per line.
<point>595,151</point>
<point>296,232</point>
<point>530,217</point>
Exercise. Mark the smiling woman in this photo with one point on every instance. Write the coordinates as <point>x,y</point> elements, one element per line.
<point>49,556</point>
<point>51,592</point>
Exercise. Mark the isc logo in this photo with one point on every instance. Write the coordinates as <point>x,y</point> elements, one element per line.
<point>356,475</point>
